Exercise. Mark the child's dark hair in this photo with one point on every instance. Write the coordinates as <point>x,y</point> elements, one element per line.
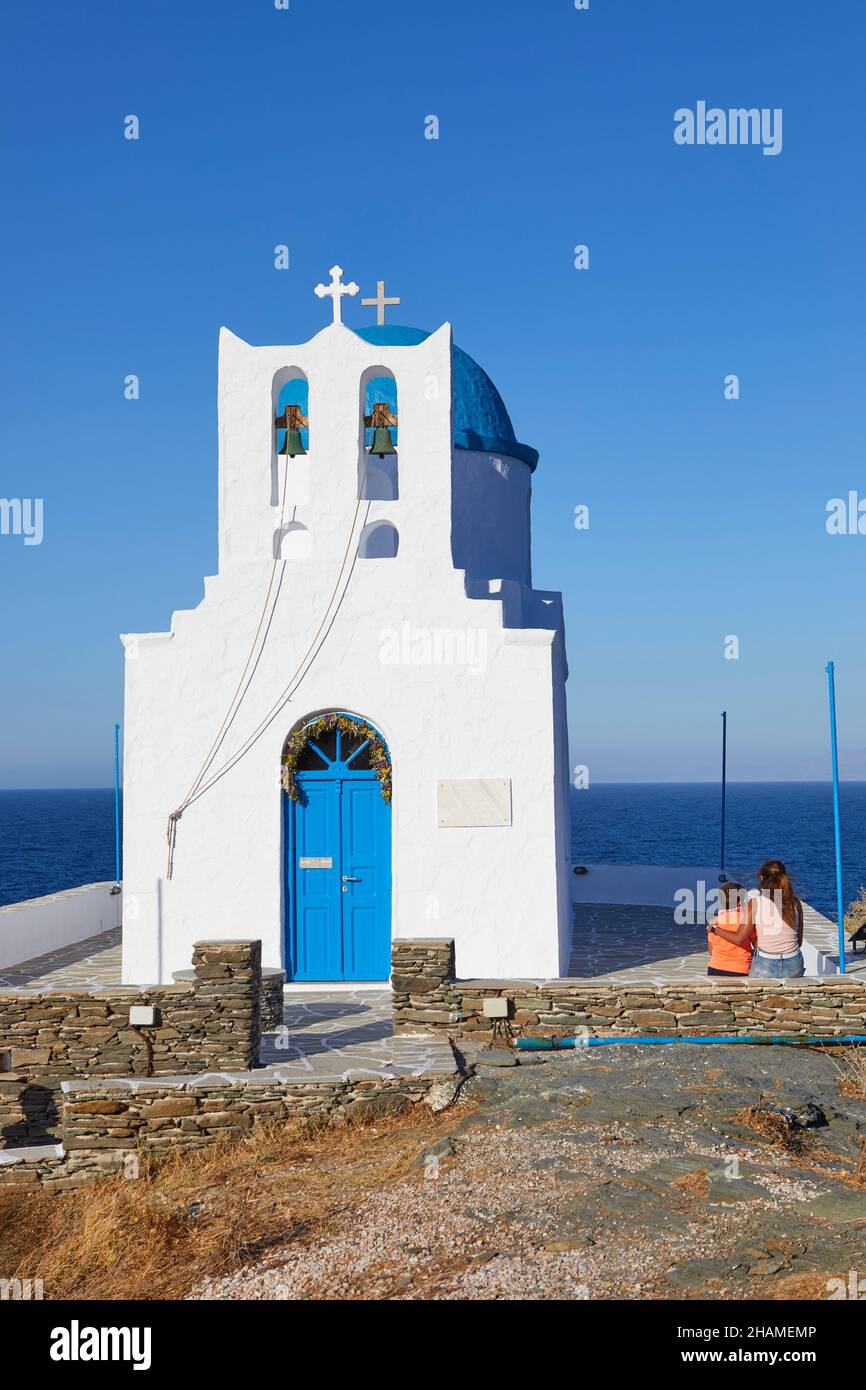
<point>732,894</point>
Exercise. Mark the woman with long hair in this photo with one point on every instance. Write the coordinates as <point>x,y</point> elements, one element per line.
<point>776,915</point>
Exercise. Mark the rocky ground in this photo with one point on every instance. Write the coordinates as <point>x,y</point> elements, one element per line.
<point>639,1173</point>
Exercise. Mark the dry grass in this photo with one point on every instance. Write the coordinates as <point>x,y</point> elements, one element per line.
<point>695,1184</point>
<point>774,1128</point>
<point>792,1287</point>
<point>855,917</point>
<point>804,1145</point>
<point>852,1073</point>
<point>205,1213</point>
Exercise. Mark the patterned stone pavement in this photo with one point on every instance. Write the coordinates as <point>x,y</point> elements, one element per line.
<point>625,943</point>
<point>348,1036</point>
<point>824,936</point>
<point>90,964</point>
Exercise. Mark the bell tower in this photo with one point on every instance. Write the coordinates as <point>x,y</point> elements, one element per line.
<point>374,574</point>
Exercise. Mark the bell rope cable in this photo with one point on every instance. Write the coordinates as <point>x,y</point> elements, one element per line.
<point>197,790</point>
<point>234,707</point>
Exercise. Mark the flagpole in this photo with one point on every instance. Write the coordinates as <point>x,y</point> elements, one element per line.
<point>724,780</point>
<point>117,805</point>
<point>840,909</point>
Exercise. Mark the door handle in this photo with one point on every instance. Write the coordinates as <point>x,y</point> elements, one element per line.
<point>347,878</point>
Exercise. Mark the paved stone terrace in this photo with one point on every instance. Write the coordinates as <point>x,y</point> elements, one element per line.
<point>348,1036</point>
<point>621,943</point>
<point>615,941</point>
<point>90,964</point>
<point>824,936</point>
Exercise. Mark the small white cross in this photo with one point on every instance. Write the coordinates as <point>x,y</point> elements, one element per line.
<point>336,290</point>
<point>380,301</point>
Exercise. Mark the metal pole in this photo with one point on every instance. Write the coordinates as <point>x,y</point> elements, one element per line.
<point>117,804</point>
<point>724,779</point>
<point>840,909</point>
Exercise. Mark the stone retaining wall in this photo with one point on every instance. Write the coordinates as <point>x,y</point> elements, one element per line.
<point>212,1021</point>
<point>272,999</point>
<point>108,1127</point>
<point>29,1111</point>
<point>13,1119</point>
<point>425,994</point>
<point>273,981</point>
<point>428,998</point>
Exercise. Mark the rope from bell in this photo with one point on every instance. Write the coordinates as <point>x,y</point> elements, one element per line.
<point>300,670</point>
<point>198,790</point>
<point>234,703</point>
<point>233,707</point>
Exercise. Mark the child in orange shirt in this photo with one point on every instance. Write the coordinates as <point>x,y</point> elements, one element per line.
<point>725,957</point>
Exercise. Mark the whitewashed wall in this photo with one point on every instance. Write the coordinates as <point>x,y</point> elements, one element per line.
<point>502,893</point>
<point>37,926</point>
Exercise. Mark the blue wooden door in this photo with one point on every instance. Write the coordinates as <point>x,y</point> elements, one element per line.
<point>338,874</point>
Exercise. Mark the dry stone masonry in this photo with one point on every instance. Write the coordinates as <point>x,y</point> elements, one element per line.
<point>13,1117</point>
<point>425,994</point>
<point>273,981</point>
<point>428,998</point>
<point>109,1126</point>
<point>272,998</point>
<point>211,1021</point>
<point>29,1110</point>
<point>188,1077</point>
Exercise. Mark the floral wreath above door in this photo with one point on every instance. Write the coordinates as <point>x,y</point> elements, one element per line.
<point>335,738</point>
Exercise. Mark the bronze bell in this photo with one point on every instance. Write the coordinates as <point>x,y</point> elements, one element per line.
<point>292,444</point>
<point>380,420</point>
<point>291,420</point>
<point>382,442</point>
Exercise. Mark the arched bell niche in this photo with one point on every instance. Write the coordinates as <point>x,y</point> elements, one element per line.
<point>290,406</point>
<point>292,542</point>
<point>378,541</point>
<point>377,468</point>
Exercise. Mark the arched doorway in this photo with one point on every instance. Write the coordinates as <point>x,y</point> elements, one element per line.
<point>337,799</point>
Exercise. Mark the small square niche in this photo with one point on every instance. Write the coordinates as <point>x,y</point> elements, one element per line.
<point>496,1008</point>
<point>143,1016</point>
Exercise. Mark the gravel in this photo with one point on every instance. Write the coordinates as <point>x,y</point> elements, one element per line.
<point>581,1180</point>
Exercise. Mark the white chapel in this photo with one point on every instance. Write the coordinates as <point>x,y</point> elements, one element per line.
<point>360,732</point>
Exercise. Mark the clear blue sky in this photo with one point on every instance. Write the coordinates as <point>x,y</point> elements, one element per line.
<point>260,127</point>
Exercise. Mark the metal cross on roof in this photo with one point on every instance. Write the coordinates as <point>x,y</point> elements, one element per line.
<point>380,301</point>
<point>336,290</point>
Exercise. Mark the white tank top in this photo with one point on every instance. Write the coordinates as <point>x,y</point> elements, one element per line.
<point>775,937</point>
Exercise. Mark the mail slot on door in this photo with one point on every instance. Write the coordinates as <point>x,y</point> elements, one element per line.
<point>306,863</point>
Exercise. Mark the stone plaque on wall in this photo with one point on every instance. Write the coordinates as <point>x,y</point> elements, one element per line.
<point>473,801</point>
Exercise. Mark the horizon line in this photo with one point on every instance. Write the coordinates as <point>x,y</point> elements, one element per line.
<point>598,782</point>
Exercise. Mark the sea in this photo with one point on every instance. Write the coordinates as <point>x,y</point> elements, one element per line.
<point>51,840</point>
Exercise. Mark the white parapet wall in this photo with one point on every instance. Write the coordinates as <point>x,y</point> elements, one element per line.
<point>40,925</point>
<point>652,885</point>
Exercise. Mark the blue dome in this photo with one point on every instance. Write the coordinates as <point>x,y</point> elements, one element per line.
<point>480,419</point>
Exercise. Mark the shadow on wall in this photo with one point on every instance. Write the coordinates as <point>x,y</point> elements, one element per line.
<point>379,541</point>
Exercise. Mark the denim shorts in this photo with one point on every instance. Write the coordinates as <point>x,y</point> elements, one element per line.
<point>778,968</point>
